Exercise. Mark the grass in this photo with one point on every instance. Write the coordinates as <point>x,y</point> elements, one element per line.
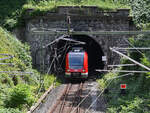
<point>48,5</point>
<point>12,11</point>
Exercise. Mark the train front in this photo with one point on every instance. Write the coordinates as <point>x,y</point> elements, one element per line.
<point>76,64</point>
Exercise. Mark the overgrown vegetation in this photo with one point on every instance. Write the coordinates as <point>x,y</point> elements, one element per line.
<point>141,13</point>
<point>18,92</point>
<point>137,97</point>
<point>48,80</point>
<point>43,5</point>
<point>13,11</point>
<point>19,96</point>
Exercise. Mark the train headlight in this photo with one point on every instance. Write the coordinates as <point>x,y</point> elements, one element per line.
<point>83,70</point>
<point>68,70</point>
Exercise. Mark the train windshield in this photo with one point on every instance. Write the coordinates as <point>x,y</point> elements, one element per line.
<point>76,60</point>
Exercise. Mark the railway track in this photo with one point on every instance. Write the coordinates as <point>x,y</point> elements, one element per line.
<point>70,99</point>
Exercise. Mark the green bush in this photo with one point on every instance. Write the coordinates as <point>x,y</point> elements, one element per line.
<point>19,96</point>
<point>141,11</point>
<point>5,79</point>
<point>106,79</point>
<point>133,106</point>
<point>49,79</point>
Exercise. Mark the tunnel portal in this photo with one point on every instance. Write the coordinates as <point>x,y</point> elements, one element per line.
<point>91,46</point>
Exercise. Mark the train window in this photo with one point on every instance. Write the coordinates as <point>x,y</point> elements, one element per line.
<point>76,60</point>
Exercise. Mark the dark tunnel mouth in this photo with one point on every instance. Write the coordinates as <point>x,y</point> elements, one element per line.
<point>92,47</point>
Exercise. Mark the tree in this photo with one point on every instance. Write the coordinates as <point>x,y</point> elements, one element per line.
<point>141,11</point>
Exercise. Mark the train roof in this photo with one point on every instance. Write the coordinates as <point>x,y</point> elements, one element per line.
<point>77,49</point>
<point>76,52</point>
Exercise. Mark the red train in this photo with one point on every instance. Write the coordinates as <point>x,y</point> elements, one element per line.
<point>76,64</point>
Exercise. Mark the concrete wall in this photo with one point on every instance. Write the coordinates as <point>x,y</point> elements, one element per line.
<point>82,19</point>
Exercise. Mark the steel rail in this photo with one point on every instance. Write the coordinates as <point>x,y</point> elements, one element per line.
<point>74,99</point>
<point>64,99</point>
<point>58,102</point>
<point>80,93</point>
<point>90,92</point>
<point>77,98</point>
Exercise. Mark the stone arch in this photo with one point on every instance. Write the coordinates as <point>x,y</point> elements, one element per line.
<point>92,47</point>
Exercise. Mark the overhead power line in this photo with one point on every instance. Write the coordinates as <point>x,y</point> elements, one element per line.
<point>147,68</point>
<point>16,72</point>
<point>121,65</point>
<point>65,39</point>
<point>135,48</point>
<point>8,56</point>
<point>11,64</point>
<point>123,71</point>
<point>110,81</point>
<point>90,32</point>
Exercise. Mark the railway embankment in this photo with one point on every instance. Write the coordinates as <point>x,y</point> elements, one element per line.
<point>20,84</point>
<point>48,99</point>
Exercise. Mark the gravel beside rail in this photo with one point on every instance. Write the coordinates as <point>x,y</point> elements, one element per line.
<point>99,106</point>
<point>49,100</point>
